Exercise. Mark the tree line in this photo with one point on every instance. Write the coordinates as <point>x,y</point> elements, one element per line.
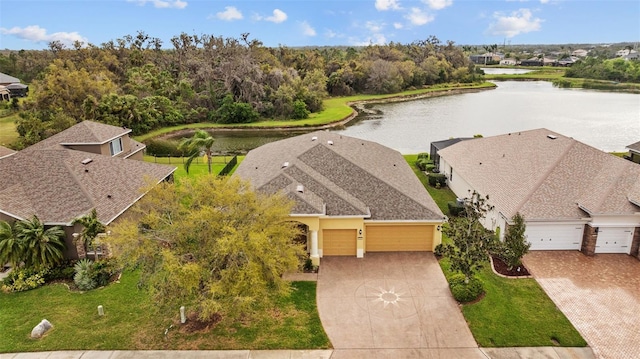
<point>135,82</point>
<point>619,69</point>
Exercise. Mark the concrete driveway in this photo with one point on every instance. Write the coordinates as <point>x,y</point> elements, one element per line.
<point>398,301</point>
<point>600,295</point>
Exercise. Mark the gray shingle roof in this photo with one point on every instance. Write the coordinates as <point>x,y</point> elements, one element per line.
<point>634,146</point>
<point>85,132</point>
<point>51,182</point>
<point>544,178</point>
<point>6,79</point>
<point>350,177</point>
<point>6,151</point>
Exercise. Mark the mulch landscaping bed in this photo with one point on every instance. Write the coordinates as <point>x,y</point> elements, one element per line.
<point>501,267</point>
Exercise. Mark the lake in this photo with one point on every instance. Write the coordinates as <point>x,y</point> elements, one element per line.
<point>605,120</point>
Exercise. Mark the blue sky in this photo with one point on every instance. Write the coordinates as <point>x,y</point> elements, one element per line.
<point>31,24</point>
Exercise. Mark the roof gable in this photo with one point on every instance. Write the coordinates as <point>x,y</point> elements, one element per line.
<point>83,133</point>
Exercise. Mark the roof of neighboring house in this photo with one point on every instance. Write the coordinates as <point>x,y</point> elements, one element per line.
<point>439,145</point>
<point>16,86</point>
<point>83,133</point>
<point>545,178</point>
<point>52,182</point>
<point>6,79</point>
<point>350,177</point>
<point>56,186</point>
<point>634,146</point>
<point>4,152</point>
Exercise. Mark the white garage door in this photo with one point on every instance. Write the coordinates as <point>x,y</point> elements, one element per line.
<point>614,240</point>
<point>554,236</point>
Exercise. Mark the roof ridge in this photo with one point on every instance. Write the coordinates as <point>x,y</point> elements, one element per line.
<point>76,179</point>
<point>543,178</point>
<point>377,178</point>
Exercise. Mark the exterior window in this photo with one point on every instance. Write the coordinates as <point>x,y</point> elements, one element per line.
<point>115,146</point>
<point>450,174</point>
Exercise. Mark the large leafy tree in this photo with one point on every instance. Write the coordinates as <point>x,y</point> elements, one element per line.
<point>42,247</point>
<point>211,244</point>
<point>194,146</point>
<point>91,227</point>
<point>471,242</point>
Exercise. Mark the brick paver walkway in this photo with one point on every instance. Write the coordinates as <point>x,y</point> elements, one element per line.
<point>600,295</point>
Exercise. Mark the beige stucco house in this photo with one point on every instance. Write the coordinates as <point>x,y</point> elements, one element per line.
<point>352,196</point>
<point>90,165</point>
<point>573,196</point>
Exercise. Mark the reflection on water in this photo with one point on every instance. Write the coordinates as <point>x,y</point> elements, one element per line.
<point>501,71</point>
<point>605,120</point>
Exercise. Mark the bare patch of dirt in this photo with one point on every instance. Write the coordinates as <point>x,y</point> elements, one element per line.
<point>196,325</point>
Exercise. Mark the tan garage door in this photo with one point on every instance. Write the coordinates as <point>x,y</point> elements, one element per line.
<point>399,238</point>
<point>339,242</point>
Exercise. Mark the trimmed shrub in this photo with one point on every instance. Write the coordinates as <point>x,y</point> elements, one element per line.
<point>22,279</point>
<point>423,155</point>
<point>438,250</point>
<point>454,208</point>
<point>163,148</point>
<point>63,271</point>
<point>435,178</point>
<point>465,292</point>
<point>429,167</point>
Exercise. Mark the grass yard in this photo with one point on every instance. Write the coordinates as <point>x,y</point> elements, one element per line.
<point>441,196</point>
<point>513,312</point>
<point>197,168</point>
<point>132,322</point>
<point>8,132</point>
<point>516,313</point>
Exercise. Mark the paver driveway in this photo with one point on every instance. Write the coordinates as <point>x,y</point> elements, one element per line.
<point>390,300</point>
<point>600,295</point>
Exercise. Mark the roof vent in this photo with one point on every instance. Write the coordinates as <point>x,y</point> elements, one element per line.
<point>330,143</point>
<point>285,165</point>
<point>300,188</point>
<point>314,138</point>
<point>552,137</point>
<point>86,161</point>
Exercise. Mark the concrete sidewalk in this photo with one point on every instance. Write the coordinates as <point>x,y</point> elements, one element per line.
<point>492,353</point>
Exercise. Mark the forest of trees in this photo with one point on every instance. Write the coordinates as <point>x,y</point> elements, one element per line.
<point>618,69</point>
<point>135,82</point>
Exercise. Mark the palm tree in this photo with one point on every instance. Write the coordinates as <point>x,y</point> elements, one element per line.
<point>91,228</point>
<point>11,247</point>
<point>200,142</point>
<point>43,247</point>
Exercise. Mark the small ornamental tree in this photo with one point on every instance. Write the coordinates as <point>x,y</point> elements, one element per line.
<point>471,241</point>
<point>515,245</point>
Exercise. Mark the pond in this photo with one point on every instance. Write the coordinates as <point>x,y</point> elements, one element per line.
<point>608,121</point>
<point>504,71</point>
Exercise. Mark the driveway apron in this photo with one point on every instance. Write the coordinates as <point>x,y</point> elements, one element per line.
<point>394,300</point>
<point>600,295</point>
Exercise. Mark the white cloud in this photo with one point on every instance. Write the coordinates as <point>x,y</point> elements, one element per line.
<point>384,5</point>
<point>544,1</point>
<point>419,17</point>
<point>307,30</point>
<point>397,25</point>
<point>36,33</point>
<point>277,17</point>
<point>375,39</point>
<point>518,22</point>
<point>230,13</point>
<point>438,4</point>
<point>374,26</point>
<point>330,34</point>
<point>163,4</point>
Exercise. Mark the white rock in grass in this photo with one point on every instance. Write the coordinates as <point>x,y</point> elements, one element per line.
<point>39,330</point>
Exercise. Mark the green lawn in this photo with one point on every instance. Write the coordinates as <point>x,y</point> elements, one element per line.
<point>132,322</point>
<point>516,313</point>
<point>513,312</point>
<point>8,132</point>
<point>197,168</point>
<point>441,196</point>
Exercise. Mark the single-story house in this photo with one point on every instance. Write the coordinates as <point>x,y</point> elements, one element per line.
<point>351,196</point>
<point>572,196</point>
<point>11,87</point>
<point>634,152</point>
<point>89,165</point>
